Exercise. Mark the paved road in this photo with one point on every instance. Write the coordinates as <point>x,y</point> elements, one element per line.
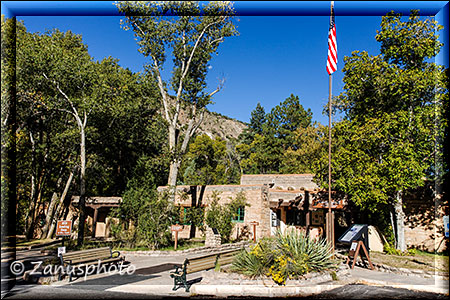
<point>151,280</point>
<point>361,291</point>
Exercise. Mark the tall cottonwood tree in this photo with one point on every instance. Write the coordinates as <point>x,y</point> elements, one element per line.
<point>193,34</point>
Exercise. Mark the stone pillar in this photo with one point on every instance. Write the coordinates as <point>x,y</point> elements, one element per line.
<point>212,238</point>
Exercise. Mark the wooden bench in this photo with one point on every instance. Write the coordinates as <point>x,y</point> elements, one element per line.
<point>85,258</point>
<point>201,263</point>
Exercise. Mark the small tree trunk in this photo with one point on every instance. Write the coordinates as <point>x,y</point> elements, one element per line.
<point>400,221</point>
<point>33,198</point>
<point>393,228</point>
<point>51,209</point>
<point>60,208</point>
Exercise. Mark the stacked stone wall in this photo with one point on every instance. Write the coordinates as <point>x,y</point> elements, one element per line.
<point>281,181</point>
<point>257,211</point>
<point>424,221</point>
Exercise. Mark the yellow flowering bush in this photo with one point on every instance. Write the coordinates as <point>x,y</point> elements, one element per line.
<point>284,256</point>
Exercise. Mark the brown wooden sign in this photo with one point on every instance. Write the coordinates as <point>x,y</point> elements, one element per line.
<point>177,227</point>
<point>254,223</point>
<point>355,251</point>
<point>63,228</point>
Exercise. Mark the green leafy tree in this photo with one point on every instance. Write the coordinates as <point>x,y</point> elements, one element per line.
<point>118,142</point>
<point>271,140</point>
<point>57,66</point>
<point>258,119</point>
<point>285,118</point>
<point>261,156</point>
<point>386,144</point>
<point>145,215</point>
<point>207,162</point>
<point>308,146</point>
<point>257,122</point>
<point>220,216</point>
<point>192,39</point>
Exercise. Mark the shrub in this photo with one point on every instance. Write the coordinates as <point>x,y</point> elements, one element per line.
<point>288,255</point>
<point>220,216</point>
<point>391,250</point>
<point>247,263</point>
<point>144,217</point>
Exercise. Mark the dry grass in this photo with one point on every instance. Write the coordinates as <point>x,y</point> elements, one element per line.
<point>420,261</point>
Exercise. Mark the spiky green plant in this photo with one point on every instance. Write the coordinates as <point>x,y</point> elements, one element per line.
<point>248,263</point>
<point>306,254</point>
<point>286,255</point>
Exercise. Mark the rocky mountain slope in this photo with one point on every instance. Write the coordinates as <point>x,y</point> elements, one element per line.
<point>215,124</point>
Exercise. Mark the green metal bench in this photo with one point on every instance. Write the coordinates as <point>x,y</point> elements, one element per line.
<point>85,258</point>
<point>201,263</point>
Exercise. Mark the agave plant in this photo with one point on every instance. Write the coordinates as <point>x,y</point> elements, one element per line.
<point>286,255</point>
<point>305,253</point>
<point>248,263</point>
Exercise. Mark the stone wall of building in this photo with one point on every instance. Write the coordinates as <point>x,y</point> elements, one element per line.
<point>281,181</point>
<point>423,213</point>
<point>258,209</point>
<point>423,219</point>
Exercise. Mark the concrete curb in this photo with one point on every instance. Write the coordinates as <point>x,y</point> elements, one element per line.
<point>419,288</point>
<point>259,290</point>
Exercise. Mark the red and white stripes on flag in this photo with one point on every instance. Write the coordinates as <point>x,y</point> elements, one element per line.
<point>332,45</point>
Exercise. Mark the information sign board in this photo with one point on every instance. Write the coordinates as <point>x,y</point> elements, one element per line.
<point>354,233</point>
<point>61,250</point>
<point>63,228</point>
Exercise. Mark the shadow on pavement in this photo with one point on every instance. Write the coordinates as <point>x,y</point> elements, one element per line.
<point>156,269</point>
<point>107,282</point>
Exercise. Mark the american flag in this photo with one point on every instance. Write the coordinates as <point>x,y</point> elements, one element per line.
<point>332,45</point>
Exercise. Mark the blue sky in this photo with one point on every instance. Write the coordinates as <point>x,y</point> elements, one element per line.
<point>273,57</point>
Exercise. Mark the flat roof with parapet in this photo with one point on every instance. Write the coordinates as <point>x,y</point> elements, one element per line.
<point>98,200</point>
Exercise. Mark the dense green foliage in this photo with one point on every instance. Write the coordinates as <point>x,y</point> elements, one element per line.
<point>220,216</point>
<point>144,216</point>
<point>123,131</point>
<point>282,141</point>
<point>209,161</point>
<point>285,256</point>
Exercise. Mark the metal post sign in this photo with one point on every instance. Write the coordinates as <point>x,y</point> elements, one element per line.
<point>64,228</point>
<point>61,250</point>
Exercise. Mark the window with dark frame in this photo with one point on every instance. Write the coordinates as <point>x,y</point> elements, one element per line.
<point>295,217</point>
<point>240,214</point>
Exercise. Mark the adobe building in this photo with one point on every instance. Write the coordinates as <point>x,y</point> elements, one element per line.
<point>282,202</point>
<point>97,214</point>
<point>276,202</point>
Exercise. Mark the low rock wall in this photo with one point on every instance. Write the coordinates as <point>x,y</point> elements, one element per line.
<point>199,250</point>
